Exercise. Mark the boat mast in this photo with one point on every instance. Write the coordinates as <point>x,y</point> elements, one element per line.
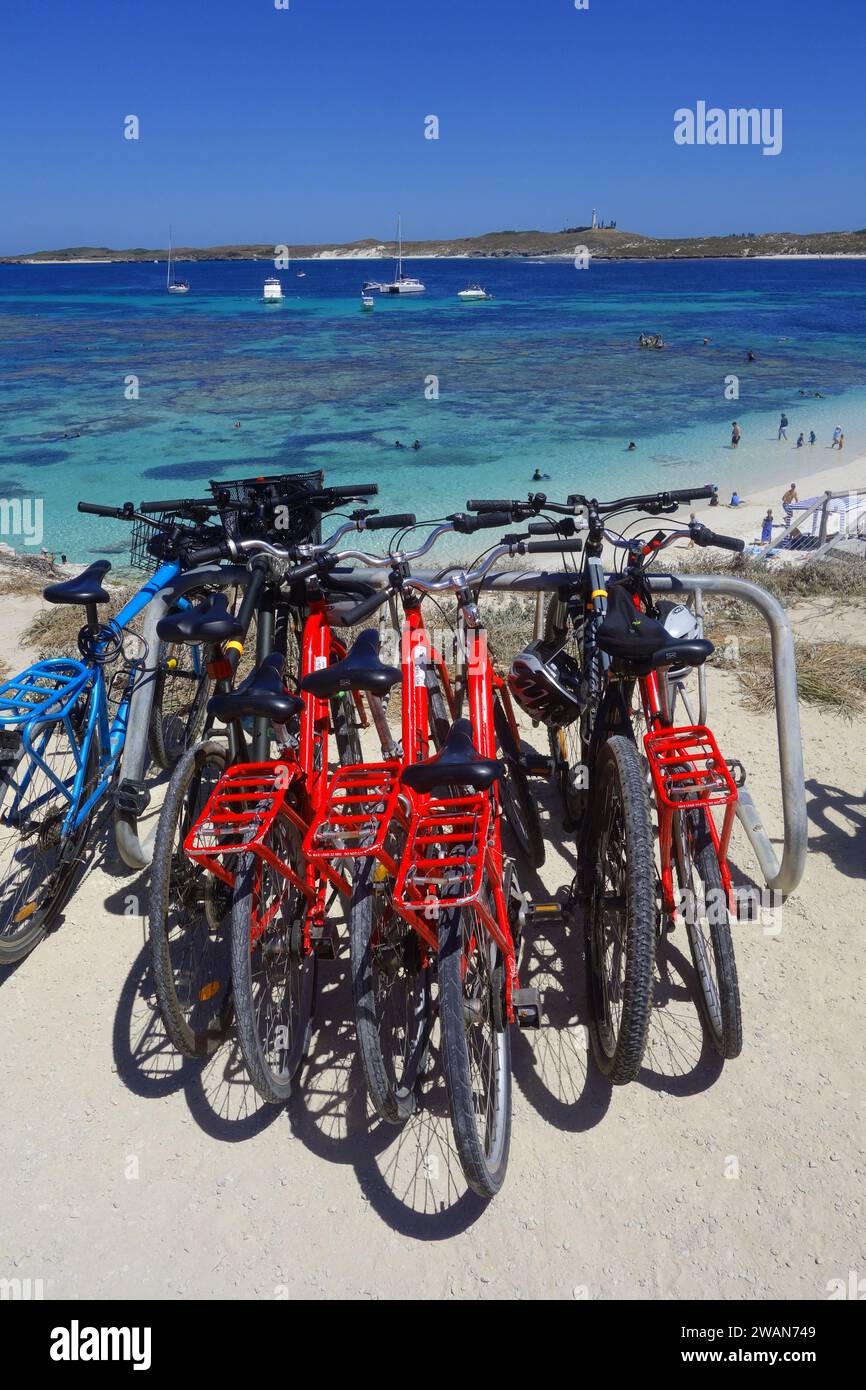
<point>168,267</point>
<point>399,247</point>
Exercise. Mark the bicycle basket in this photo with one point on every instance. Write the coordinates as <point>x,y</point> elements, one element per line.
<point>151,547</point>
<point>272,508</point>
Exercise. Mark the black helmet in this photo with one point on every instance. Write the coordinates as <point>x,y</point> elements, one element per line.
<point>545,682</point>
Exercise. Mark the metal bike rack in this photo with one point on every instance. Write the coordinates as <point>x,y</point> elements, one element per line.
<point>135,853</point>
<point>781,876</point>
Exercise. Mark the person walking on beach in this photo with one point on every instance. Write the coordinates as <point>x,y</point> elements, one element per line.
<point>812,436</point>
<point>767,527</point>
<point>736,435</point>
<point>783,426</point>
<point>789,497</point>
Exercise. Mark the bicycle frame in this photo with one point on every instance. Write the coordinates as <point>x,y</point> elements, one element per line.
<point>253,796</point>
<point>74,679</point>
<point>367,801</point>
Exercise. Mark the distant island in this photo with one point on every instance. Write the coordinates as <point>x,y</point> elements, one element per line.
<point>603,243</point>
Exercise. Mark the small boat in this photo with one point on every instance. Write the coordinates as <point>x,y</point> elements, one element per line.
<point>174,286</point>
<point>402,284</point>
<point>301,274</point>
<point>367,301</point>
<point>273,291</point>
<point>473,292</point>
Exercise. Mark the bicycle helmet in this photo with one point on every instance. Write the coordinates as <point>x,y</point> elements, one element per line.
<point>545,682</point>
<point>680,622</point>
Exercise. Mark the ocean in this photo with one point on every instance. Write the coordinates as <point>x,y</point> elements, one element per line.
<point>112,390</point>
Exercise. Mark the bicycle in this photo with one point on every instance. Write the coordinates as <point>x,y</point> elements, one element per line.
<point>60,744</point>
<point>224,811</point>
<point>433,892</point>
<point>604,636</point>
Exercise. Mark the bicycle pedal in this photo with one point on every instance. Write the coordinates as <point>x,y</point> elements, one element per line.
<point>550,913</point>
<point>737,771</point>
<point>536,765</point>
<point>323,940</point>
<point>131,797</point>
<point>527,1007</point>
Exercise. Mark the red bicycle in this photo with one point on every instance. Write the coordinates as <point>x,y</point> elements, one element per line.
<point>250,834</point>
<point>435,901</point>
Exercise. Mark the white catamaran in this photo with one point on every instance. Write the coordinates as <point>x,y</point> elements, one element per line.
<point>402,284</point>
<point>174,286</point>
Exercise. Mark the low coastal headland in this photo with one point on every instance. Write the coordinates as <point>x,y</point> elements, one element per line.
<point>603,243</point>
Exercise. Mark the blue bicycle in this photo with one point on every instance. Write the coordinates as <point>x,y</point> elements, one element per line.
<point>64,724</point>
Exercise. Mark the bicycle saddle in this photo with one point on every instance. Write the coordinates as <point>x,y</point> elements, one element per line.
<point>85,587</point>
<point>360,669</point>
<point>209,621</point>
<point>458,763</point>
<point>640,644</point>
<point>261,694</point>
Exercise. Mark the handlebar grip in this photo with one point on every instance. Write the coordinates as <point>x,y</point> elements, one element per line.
<point>552,528</point>
<point>395,521</point>
<point>362,490</point>
<point>303,571</point>
<point>206,554</point>
<point>708,537</point>
<point>172,504</point>
<point>552,547</point>
<point>487,505</point>
<point>485,522</point>
<point>97,509</point>
<point>366,607</point>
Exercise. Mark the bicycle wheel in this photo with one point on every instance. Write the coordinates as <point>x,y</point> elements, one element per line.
<point>189,915</point>
<point>476,1049</point>
<point>518,803</point>
<point>274,981</point>
<point>38,863</point>
<point>390,992</point>
<point>708,926</point>
<point>621,911</point>
<point>181,691</point>
<point>567,741</point>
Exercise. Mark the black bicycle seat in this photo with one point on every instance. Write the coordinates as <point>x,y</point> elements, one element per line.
<point>360,669</point>
<point>639,643</point>
<point>85,587</point>
<point>457,764</point>
<point>209,622</point>
<point>262,694</point>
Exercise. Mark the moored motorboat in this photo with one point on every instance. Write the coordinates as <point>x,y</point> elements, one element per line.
<point>273,291</point>
<point>473,291</point>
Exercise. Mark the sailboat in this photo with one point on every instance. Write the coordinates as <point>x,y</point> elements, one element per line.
<point>401,284</point>
<point>174,286</point>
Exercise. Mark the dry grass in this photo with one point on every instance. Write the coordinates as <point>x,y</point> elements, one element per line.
<point>829,674</point>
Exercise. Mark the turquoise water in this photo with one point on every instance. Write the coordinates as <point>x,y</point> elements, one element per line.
<point>548,374</point>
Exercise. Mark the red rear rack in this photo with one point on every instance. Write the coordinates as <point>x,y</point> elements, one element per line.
<point>443,863</point>
<point>239,813</point>
<point>360,805</point>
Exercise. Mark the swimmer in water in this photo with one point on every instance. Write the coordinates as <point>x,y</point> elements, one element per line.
<point>750,356</point>
<point>417,444</point>
<point>631,446</point>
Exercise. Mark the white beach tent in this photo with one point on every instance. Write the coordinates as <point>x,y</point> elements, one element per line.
<point>846,516</point>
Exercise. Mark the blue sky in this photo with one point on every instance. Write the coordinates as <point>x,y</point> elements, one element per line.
<point>260,124</point>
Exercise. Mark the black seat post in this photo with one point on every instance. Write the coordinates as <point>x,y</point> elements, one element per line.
<point>92,613</point>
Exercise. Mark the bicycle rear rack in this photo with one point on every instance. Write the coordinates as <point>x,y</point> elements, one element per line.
<point>240,811</point>
<point>689,773</point>
<point>443,862</point>
<point>46,690</point>
<point>354,821</point>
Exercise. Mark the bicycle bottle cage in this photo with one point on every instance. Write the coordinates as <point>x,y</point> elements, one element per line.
<point>442,865</point>
<point>270,508</point>
<point>361,802</point>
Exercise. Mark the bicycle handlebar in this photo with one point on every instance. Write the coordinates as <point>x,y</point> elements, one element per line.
<point>396,521</point>
<point>488,520</point>
<point>652,502</point>
<point>702,535</point>
<point>124,513</point>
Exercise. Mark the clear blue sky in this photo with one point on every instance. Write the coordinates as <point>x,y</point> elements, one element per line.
<point>259,124</point>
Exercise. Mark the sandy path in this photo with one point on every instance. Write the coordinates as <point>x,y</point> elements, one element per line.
<point>132,1174</point>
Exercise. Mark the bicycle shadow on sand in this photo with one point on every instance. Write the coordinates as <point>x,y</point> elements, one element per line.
<point>840,819</point>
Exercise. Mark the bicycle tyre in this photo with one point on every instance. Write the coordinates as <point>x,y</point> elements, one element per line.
<point>518,803</point>
<point>619,854</point>
<point>719,997</point>
<point>14,946</point>
<point>203,904</point>
<point>272,1061</point>
<point>391,1059</point>
<point>171,730</point>
<point>483,1158</point>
